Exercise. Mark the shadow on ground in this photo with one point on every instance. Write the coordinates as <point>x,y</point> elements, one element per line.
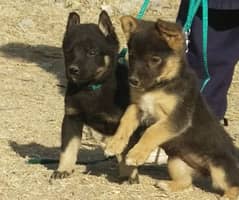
<point>94,160</point>
<point>96,164</point>
<point>47,57</point>
<point>93,156</point>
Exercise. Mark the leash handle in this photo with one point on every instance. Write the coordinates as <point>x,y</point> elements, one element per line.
<point>193,7</point>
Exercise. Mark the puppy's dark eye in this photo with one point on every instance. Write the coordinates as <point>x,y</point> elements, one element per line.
<point>154,61</point>
<point>92,52</point>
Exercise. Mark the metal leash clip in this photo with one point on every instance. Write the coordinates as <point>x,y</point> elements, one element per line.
<point>187,41</point>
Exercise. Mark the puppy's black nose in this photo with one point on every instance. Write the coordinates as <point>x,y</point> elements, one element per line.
<point>134,81</point>
<point>73,69</point>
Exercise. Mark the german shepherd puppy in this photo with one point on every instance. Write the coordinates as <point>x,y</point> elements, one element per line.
<point>97,91</point>
<point>166,98</point>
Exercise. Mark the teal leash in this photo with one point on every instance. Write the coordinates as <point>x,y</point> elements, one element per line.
<point>143,9</point>
<point>95,86</point>
<point>193,7</point>
<point>123,52</point>
<point>205,32</point>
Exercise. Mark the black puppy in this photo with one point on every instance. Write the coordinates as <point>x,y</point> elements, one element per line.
<point>97,87</point>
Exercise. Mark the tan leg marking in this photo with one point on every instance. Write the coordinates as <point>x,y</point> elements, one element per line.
<point>232,193</point>
<point>171,68</point>
<point>218,177</point>
<point>181,175</point>
<point>160,105</point>
<point>153,137</point>
<point>102,69</point>
<point>69,156</point>
<point>128,123</point>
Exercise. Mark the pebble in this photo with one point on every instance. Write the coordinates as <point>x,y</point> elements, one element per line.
<point>26,23</point>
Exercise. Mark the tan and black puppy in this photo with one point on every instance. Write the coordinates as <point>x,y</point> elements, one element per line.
<point>166,98</point>
<point>97,91</point>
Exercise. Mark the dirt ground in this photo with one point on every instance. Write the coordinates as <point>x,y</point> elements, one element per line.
<point>31,106</point>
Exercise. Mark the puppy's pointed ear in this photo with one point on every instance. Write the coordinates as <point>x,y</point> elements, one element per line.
<point>73,19</point>
<point>105,24</point>
<point>172,33</point>
<point>129,25</point>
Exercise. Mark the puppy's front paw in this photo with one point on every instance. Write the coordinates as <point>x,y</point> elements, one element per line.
<point>164,186</point>
<point>129,180</point>
<point>135,158</point>
<point>60,174</point>
<point>231,194</point>
<point>114,146</point>
<point>173,186</point>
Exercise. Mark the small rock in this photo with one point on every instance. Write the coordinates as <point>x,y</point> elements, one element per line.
<point>155,3</point>
<point>60,3</point>
<point>26,23</point>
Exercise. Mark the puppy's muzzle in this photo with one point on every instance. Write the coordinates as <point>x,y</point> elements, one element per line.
<point>74,70</point>
<point>134,82</point>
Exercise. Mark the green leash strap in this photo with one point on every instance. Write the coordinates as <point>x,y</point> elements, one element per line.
<point>121,56</point>
<point>193,7</point>
<point>140,15</point>
<point>143,9</point>
<point>95,86</point>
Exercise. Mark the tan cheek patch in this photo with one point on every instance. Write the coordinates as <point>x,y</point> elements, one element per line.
<point>71,111</point>
<point>107,61</point>
<point>171,69</point>
<point>102,69</point>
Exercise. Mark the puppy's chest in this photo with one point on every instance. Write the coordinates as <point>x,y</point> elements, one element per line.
<point>96,102</point>
<point>149,109</point>
<point>89,102</point>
